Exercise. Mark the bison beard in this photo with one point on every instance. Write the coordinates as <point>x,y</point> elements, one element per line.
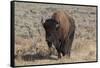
<point>60,29</point>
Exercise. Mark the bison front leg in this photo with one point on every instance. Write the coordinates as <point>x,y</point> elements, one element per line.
<point>58,51</point>
<point>50,47</point>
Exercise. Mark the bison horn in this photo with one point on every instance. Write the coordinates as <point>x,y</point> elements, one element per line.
<point>42,20</point>
<point>57,26</point>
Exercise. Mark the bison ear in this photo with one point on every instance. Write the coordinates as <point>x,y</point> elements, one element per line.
<point>57,26</point>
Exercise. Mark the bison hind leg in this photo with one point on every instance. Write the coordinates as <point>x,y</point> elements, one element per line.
<point>69,43</point>
<point>58,51</point>
<point>63,53</point>
<point>62,48</point>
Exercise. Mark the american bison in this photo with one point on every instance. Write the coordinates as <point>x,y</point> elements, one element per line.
<point>60,29</point>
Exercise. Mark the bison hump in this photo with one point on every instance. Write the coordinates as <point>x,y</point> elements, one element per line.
<point>63,19</point>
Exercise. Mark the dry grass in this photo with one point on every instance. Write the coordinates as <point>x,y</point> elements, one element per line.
<point>30,45</point>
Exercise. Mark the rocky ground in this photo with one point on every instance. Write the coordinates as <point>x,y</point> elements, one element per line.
<point>30,45</point>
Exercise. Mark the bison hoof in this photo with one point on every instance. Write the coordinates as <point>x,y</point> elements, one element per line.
<point>59,56</point>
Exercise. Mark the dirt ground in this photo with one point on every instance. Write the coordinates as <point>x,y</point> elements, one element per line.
<point>30,45</point>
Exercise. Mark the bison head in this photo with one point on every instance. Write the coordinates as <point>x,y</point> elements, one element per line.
<point>51,27</point>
